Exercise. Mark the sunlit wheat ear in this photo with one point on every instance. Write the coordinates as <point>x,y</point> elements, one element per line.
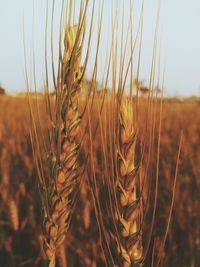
<point>13,212</point>
<point>128,190</point>
<point>63,157</point>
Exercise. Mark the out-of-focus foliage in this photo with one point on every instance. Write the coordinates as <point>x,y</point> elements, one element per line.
<point>20,207</point>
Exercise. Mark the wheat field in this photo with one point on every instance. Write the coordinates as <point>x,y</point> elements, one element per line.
<point>20,209</point>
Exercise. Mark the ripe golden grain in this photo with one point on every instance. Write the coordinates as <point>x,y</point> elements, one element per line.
<point>128,190</point>
<point>64,163</point>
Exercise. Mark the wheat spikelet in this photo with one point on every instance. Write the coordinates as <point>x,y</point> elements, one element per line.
<point>13,212</point>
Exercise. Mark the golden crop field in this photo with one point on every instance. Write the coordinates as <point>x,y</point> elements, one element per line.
<point>98,173</point>
<point>21,212</point>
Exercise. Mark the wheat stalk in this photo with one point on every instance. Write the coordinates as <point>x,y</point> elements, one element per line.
<point>59,190</point>
<point>63,163</point>
<point>117,195</point>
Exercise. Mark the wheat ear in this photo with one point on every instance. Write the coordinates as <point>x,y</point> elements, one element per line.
<point>63,158</point>
<point>128,218</point>
<point>59,186</point>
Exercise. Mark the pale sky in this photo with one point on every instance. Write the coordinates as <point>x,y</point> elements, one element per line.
<point>179,30</point>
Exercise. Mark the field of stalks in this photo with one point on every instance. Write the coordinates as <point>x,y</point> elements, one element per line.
<point>21,231</point>
<point>93,174</point>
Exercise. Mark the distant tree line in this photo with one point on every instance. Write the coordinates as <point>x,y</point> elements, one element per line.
<point>2,90</point>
